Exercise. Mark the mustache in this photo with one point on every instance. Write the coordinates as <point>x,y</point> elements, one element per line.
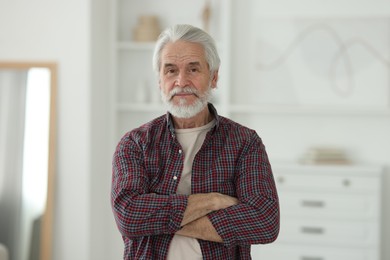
<point>180,90</point>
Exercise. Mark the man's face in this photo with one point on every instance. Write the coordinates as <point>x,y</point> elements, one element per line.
<point>185,79</point>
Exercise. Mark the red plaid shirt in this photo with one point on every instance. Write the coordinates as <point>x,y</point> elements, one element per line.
<point>147,165</point>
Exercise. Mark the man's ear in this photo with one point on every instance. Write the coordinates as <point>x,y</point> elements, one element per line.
<point>214,79</point>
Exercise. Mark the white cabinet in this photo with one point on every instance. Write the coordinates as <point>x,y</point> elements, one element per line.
<point>135,96</point>
<point>327,213</point>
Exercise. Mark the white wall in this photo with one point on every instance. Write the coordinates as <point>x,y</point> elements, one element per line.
<point>105,240</point>
<point>59,31</point>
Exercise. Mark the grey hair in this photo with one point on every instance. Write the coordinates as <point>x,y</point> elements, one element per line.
<point>189,33</point>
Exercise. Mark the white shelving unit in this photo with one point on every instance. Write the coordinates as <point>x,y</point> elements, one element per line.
<point>135,97</point>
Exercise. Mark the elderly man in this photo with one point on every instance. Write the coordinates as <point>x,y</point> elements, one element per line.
<point>192,184</point>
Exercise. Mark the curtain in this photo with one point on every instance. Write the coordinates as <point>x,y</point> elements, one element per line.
<point>12,114</point>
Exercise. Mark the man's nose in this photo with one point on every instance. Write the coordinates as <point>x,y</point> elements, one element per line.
<point>182,79</point>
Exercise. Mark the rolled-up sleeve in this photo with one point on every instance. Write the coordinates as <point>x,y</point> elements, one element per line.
<point>137,210</point>
<point>255,220</point>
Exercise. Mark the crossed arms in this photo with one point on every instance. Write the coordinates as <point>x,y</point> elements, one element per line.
<point>195,222</point>
<point>144,206</point>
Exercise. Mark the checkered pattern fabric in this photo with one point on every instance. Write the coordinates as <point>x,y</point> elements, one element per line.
<point>147,164</point>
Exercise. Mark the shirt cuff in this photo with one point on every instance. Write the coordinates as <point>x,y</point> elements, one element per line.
<point>223,226</point>
<point>178,206</point>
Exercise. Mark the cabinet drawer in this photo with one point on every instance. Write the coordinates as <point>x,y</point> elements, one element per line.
<point>326,205</point>
<point>301,252</point>
<point>340,233</point>
<point>333,183</point>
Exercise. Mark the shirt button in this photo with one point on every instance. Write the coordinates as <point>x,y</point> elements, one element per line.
<point>180,151</point>
<point>174,178</point>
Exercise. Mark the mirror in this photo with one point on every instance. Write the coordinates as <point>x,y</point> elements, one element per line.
<point>27,153</point>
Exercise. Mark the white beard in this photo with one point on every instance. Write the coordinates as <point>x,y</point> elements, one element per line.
<point>182,110</point>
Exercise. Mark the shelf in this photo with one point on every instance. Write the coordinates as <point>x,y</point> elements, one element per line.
<point>261,110</point>
<point>141,107</point>
<point>307,110</point>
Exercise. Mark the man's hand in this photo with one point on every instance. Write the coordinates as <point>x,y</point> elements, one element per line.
<point>202,229</point>
<point>195,223</point>
<point>199,205</point>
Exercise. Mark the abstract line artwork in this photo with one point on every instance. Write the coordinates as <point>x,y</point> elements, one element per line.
<point>333,61</point>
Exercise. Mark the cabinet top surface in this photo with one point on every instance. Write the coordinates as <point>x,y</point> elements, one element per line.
<point>294,168</point>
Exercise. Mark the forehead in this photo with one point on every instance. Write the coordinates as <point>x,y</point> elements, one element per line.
<point>183,52</point>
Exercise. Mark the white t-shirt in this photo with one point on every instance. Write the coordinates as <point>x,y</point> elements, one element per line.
<point>191,141</point>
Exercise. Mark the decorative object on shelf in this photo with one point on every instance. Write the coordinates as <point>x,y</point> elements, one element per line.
<point>147,29</point>
<point>325,155</point>
<point>206,15</point>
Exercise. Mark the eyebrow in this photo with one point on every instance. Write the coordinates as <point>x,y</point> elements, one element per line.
<point>169,65</point>
<point>193,63</point>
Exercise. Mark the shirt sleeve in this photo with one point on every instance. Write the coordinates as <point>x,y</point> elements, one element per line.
<point>137,211</point>
<point>255,220</point>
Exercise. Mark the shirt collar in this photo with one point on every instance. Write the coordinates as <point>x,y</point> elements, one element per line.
<point>212,110</point>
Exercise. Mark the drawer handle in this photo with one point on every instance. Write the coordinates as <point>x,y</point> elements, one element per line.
<point>313,230</point>
<point>312,258</point>
<point>313,203</point>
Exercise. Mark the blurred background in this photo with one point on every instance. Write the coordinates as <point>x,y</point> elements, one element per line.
<point>311,77</point>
